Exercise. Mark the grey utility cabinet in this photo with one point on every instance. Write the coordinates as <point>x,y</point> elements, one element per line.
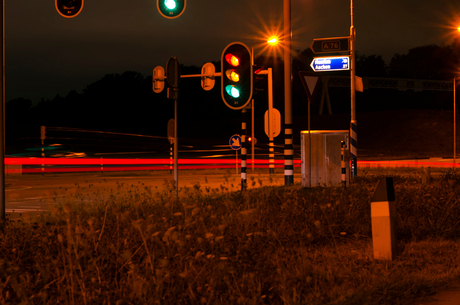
<point>321,161</point>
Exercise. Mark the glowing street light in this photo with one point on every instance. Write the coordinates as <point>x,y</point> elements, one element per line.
<point>273,40</point>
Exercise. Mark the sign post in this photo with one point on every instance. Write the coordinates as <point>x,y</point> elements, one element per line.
<point>173,77</point>
<point>235,144</point>
<point>171,129</point>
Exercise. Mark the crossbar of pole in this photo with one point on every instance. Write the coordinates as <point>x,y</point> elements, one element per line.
<point>202,75</point>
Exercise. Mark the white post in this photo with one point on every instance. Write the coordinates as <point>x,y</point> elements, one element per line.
<point>383,215</point>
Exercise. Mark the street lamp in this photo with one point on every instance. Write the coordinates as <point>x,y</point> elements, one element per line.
<point>273,40</point>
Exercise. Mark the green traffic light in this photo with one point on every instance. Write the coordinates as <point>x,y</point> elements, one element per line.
<point>170,4</point>
<point>232,91</point>
<point>171,8</point>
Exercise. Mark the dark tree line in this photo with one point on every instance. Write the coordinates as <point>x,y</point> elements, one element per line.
<point>126,103</point>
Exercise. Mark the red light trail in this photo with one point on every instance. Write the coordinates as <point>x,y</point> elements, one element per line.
<point>55,165</point>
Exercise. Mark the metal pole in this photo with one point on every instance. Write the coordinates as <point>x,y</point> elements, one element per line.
<point>236,162</point>
<point>309,141</point>
<point>353,122</point>
<point>252,134</point>
<point>243,150</point>
<point>455,129</point>
<point>2,118</point>
<point>271,147</point>
<point>171,156</point>
<point>288,147</point>
<point>176,170</point>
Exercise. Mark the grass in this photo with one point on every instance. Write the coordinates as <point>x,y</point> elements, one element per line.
<point>268,245</point>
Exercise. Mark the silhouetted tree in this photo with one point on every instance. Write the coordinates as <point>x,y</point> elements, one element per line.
<point>425,62</point>
<point>371,66</point>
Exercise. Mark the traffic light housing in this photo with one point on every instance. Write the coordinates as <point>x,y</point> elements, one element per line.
<point>69,8</point>
<point>259,81</point>
<point>237,79</point>
<point>171,8</point>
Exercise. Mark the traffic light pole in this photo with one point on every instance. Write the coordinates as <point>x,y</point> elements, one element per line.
<point>353,122</point>
<point>244,133</point>
<point>288,145</point>
<point>2,118</point>
<point>176,146</point>
<point>271,146</point>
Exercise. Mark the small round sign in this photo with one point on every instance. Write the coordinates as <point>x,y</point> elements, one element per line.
<point>235,142</point>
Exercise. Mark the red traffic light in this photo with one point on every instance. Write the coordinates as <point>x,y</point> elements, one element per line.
<point>232,59</point>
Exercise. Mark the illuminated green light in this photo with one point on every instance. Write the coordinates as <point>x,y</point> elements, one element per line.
<point>170,4</point>
<point>232,91</point>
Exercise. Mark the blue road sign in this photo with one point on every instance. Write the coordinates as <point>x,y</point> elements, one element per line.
<point>235,142</point>
<point>334,63</point>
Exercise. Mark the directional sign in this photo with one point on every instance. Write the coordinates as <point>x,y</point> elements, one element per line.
<point>330,45</point>
<point>335,63</point>
<point>235,142</point>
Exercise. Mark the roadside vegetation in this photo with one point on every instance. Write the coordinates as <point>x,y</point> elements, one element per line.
<point>267,245</point>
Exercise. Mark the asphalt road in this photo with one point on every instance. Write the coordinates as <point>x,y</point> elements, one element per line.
<point>33,193</point>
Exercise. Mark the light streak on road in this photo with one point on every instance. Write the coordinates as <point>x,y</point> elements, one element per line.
<point>55,165</point>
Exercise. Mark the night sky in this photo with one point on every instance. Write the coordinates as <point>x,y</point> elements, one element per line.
<point>47,54</point>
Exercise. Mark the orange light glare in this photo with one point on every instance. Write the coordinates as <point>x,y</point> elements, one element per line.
<point>232,75</point>
<point>232,59</point>
<point>272,40</point>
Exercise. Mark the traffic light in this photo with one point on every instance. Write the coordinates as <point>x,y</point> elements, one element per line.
<point>171,8</point>
<point>68,8</point>
<point>259,81</point>
<point>236,69</point>
<point>250,139</point>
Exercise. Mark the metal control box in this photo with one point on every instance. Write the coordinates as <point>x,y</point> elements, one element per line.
<point>321,158</point>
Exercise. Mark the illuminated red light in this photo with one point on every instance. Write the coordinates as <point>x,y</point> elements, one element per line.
<point>232,59</point>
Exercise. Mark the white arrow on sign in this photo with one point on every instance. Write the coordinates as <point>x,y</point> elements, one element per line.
<point>235,142</point>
